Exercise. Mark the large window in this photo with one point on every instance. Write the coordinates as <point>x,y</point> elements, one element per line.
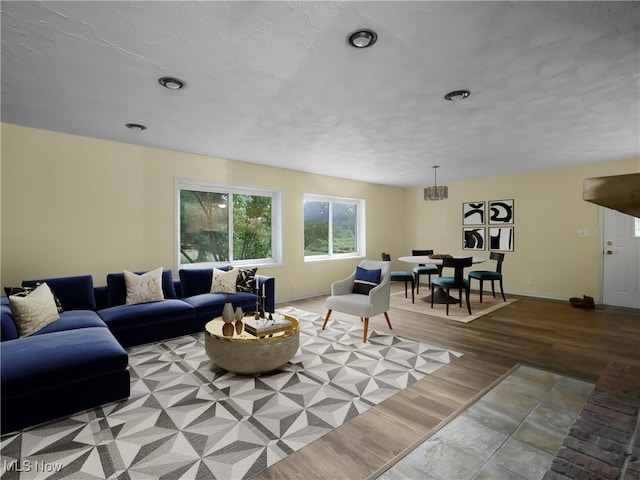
<point>223,224</point>
<point>333,227</point>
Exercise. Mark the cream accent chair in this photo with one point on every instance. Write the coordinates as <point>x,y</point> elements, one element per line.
<point>364,306</point>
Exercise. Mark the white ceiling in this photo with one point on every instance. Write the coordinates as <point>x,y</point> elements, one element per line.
<point>553,83</point>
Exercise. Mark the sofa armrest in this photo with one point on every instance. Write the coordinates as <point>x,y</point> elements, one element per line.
<point>343,287</point>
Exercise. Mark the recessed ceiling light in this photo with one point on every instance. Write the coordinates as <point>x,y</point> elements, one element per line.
<point>362,38</point>
<point>171,83</point>
<point>136,126</point>
<point>457,95</point>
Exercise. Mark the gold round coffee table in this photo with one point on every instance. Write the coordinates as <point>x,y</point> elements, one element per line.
<point>230,347</point>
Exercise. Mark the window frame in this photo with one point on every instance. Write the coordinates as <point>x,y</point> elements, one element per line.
<point>361,245</point>
<point>229,189</point>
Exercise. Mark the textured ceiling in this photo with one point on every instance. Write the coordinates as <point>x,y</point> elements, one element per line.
<point>553,83</point>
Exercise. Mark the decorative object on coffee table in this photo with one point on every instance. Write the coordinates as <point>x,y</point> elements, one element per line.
<point>239,314</point>
<point>266,326</point>
<point>227,313</point>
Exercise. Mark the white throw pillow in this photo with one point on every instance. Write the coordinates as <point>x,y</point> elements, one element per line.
<point>35,311</point>
<point>224,282</point>
<point>143,288</point>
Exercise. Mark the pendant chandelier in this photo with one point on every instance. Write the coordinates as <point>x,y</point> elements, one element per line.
<point>437,192</point>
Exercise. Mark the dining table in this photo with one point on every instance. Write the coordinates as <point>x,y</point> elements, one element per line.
<point>439,295</point>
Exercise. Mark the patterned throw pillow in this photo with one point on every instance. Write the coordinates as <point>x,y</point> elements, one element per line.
<point>224,282</point>
<point>33,311</point>
<point>366,280</point>
<point>143,288</point>
<point>24,291</point>
<point>245,279</point>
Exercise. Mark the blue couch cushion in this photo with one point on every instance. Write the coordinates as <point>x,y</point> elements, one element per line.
<point>125,316</point>
<point>209,305</point>
<point>8,328</point>
<point>195,281</point>
<point>117,288</point>
<point>39,362</point>
<point>75,293</point>
<point>72,320</point>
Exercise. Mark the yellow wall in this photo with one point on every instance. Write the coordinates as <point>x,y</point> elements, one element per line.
<point>549,259</point>
<point>75,205</point>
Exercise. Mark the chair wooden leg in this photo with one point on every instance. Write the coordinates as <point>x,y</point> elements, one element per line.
<point>467,291</point>
<point>417,283</point>
<point>405,289</point>
<point>460,296</point>
<point>493,288</point>
<point>413,298</point>
<point>326,319</point>
<point>480,291</point>
<point>447,301</point>
<point>364,332</point>
<point>432,292</point>
<point>386,315</point>
<point>502,291</point>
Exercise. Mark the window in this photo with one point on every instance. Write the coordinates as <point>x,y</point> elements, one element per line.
<point>637,229</point>
<point>224,224</point>
<point>333,227</point>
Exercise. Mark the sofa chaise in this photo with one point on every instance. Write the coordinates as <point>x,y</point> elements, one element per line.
<point>79,361</point>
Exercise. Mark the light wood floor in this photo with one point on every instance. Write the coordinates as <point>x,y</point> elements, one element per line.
<point>546,334</point>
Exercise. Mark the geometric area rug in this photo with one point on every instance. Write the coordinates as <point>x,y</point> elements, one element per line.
<point>188,419</point>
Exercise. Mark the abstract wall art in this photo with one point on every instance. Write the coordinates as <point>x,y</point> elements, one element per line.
<point>500,211</point>
<point>501,238</point>
<point>473,213</point>
<point>473,238</point>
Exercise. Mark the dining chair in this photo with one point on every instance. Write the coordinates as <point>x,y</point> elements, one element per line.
<point>457,281</point>
<point>493,275</point>
<point>365,293</point>
<point>401,276</point>
<point>423,269</point>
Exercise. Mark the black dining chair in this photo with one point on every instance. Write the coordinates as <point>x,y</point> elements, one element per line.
<point>457,281</point>
<point>493,275</point>
<point>423,269</point>
<point>400,276</point>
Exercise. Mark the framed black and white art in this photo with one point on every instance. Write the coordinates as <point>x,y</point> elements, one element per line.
<point>501,238</point>
<point>473,238</point>
<point>473,213</point>
<point>500,212</point>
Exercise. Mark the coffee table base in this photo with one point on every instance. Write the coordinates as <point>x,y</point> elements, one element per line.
<point>251,358</point>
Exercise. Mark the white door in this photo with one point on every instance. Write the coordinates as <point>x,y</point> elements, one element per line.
<point>621,260</point>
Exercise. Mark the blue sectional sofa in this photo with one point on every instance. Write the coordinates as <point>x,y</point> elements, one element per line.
<point>79,361</point>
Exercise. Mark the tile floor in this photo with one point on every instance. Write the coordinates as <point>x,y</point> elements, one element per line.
<point>511,433</point>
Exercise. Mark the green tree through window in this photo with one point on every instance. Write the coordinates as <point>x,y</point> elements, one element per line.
<point>333,227</point>
<point>225,226</point>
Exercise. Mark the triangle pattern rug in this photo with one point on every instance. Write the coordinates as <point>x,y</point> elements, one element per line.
<point>187,419</point>
<point>456,313</point>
